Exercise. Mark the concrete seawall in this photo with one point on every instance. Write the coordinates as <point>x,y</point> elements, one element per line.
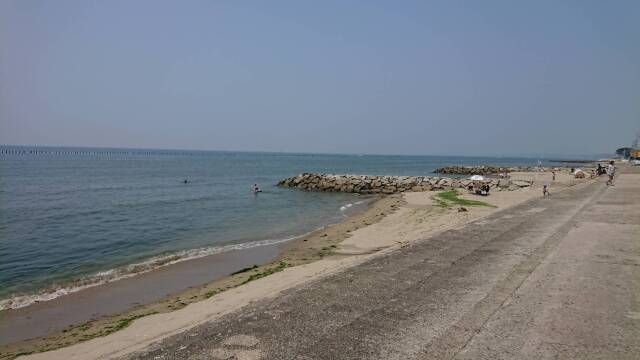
<point>378,184</point>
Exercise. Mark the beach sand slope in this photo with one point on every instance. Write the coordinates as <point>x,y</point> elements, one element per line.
<point>548,278</point>
<point>397,236</point>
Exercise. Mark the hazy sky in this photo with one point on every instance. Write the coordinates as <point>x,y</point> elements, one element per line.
<point>394,77</point>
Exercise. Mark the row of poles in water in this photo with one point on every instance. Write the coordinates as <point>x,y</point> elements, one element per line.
<point>13,151</point>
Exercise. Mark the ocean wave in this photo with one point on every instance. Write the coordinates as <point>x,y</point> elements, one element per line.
<point>349,205</point>
<point>107,276</point>
<point>345,207</point>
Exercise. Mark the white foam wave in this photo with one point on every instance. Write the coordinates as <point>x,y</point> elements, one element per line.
<point>345,207</point>
<point>128,271</point>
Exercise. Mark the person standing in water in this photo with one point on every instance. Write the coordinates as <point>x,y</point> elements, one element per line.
<point>611,171</point>
<point>256,189</point>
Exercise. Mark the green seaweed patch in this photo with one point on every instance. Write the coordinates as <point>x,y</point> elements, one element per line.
<point>266,272</point>
<point>209,294</point>
<point>244,270</point>
<point>440,203</point>
<point>18,354</point>
<point>447,198</point>
<point>123,323</point>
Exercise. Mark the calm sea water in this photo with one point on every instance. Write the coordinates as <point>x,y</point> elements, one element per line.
<point>70,215</point>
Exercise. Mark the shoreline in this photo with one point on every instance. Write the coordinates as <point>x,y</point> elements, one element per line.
<point>391,221</point>
<point>65,326</point>
<point>157,262</point>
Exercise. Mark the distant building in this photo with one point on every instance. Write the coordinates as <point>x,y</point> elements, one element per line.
<point>625,152</point>
<point>632,152</point>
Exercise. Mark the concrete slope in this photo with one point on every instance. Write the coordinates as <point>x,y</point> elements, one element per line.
<point>555,278</point>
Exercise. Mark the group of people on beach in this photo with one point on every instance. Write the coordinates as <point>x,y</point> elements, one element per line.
<point>610,170</point>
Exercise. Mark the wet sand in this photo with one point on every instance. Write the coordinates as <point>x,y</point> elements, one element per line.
<point>47,317</point>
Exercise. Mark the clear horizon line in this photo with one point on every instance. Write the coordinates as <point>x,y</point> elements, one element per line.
<point>527,156</point>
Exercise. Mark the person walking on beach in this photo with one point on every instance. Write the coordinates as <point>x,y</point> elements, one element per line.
<point>545,190</point>
<point>553,176</point>
<point>611,171</point>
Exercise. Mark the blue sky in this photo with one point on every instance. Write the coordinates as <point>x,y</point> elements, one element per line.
<point>423,77</point>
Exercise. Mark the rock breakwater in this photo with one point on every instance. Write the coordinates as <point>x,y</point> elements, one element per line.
<point>380,184</point>
<point>482,170</point>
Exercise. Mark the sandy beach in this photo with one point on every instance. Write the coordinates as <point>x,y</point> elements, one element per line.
<point>222,180</point>
<point>389,223</point>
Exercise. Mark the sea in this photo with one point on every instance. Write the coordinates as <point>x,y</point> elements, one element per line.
<point>71,218</point>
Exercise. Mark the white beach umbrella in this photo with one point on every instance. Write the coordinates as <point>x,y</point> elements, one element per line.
<point>477,178</point>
